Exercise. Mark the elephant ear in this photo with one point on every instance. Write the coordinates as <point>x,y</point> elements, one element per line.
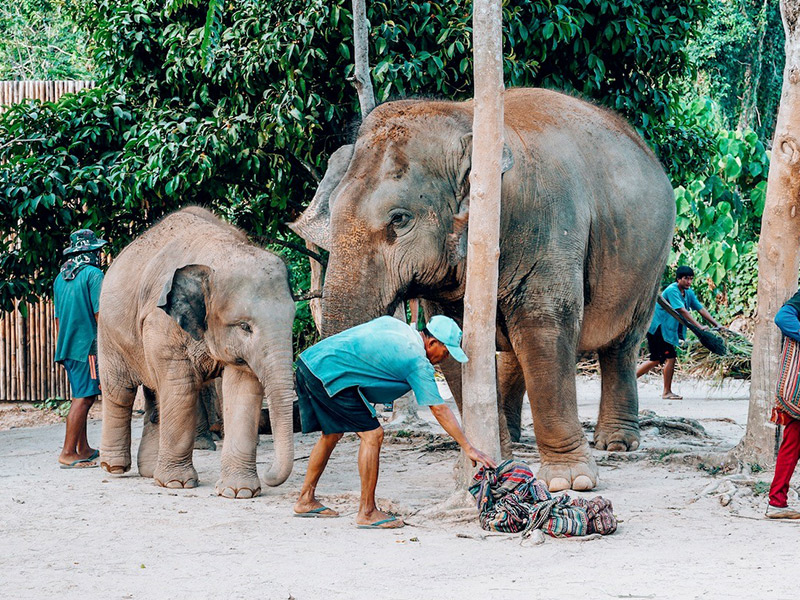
<point>184,298</point>
<point>314,225</point>
<point>457,239</point>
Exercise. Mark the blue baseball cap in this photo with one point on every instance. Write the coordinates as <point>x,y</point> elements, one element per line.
<point>448,332</point>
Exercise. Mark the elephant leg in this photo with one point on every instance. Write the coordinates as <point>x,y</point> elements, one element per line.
<point>451,369</point>
<point>243,398</point>
<point>618,421</point>
<point>546,352</point>
<point>177,416</point>
<point>511,388</point>
<point>118,396</point>
<point>205,417</point>
<point>147,457</point>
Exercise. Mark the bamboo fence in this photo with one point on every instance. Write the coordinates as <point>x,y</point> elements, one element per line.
<point>28,343</point>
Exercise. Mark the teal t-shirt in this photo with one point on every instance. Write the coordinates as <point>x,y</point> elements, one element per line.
<point>384,359</point>
<point>76,302</point>
<point>672,331</point>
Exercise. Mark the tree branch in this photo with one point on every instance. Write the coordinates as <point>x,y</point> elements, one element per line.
<point>309,295</point>
<point>301,249</point>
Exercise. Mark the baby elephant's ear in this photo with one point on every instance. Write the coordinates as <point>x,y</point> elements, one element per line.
<point>184,298</point>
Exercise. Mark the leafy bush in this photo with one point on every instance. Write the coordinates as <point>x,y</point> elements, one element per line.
<point>719,217</point>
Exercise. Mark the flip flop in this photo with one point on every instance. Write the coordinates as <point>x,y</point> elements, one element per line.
<point>379,524</point>
<point>94,455</point>
<point>316,513</point>
<point>672,396</point>
<point>81,463</point>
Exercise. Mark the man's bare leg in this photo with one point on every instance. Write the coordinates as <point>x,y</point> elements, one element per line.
<point>369,453</point>
<point>316,465</point>
<point>645,367</point>
<point>76,445</point>
<point>669,371</point>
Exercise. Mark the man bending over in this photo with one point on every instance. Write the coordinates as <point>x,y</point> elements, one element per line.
<point>341,377</point>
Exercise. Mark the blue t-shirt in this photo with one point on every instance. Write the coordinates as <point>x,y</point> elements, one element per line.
<point>384,359</point>
<point>788,322</point>
<point>76,302</point>
<point>671,330</point>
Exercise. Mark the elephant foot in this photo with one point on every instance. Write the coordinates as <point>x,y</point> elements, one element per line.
<point>242,486</point>
<point>616,439</point>
<point>580,475</point>
<point>115,463</point>
<point>204,441</point>
<point>176,477</point>
<point>146,468</point>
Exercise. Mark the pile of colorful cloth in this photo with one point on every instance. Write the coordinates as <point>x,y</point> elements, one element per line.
<point>511,500</point>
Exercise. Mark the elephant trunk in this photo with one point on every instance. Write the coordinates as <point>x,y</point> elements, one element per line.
<point>279,391</point>
<point>347,303</point>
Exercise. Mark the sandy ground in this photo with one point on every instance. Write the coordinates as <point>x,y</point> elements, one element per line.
<point>683,533</point>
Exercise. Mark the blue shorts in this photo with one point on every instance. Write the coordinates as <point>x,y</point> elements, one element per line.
<point>83,378</point>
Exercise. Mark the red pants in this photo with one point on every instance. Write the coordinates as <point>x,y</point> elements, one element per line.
<point>785,463</point>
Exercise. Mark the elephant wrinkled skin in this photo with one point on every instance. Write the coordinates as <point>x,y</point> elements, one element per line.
<point>188,298</point>
<point>586,224</point>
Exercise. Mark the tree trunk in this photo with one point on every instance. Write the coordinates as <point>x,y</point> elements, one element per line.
<point>363,81</point>
<point>752,79</point>
<point>778,250</point>
<point>479,409</point>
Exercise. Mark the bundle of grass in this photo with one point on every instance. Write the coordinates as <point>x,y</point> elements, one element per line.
<point>699,361</point>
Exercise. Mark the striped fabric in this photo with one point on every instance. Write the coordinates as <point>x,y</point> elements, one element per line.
<point>511,500</point>
<point>787,394</point>
<point>93,367</point>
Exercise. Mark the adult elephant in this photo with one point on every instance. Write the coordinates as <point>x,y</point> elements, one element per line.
<point>183,301</point>
<point>587,220</point>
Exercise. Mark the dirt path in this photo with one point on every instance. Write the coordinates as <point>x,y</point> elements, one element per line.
<point>85,534</point>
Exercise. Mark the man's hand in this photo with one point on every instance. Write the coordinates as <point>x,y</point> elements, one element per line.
<point>476,456</point>
<point>450,424</point>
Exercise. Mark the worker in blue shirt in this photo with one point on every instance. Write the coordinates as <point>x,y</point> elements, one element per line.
<point>341,377</point>
<point>666,332</point>
<point>76,295</point>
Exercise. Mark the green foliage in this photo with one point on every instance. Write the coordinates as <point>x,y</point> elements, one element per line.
<point>719,216</point>
<point>38,40</point>
<point>60,406</point>
<point>739,55</point>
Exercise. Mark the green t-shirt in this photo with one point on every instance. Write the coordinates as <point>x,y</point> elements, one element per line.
<point>76,302</point>
<point>383,358</point>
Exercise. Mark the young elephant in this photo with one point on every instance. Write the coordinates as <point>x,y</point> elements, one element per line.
<point>183,301</point>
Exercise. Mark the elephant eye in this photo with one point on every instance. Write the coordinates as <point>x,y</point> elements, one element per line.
<point>400,219</point>
<point>244,326</point>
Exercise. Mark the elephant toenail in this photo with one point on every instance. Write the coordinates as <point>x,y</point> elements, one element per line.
<point>582,483</point>
<point>558,484</point>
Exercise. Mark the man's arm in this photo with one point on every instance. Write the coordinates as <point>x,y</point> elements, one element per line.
<point>688,316</point>
<point>450,424</point>
<point>788,322</point>
<point>709,319</point>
